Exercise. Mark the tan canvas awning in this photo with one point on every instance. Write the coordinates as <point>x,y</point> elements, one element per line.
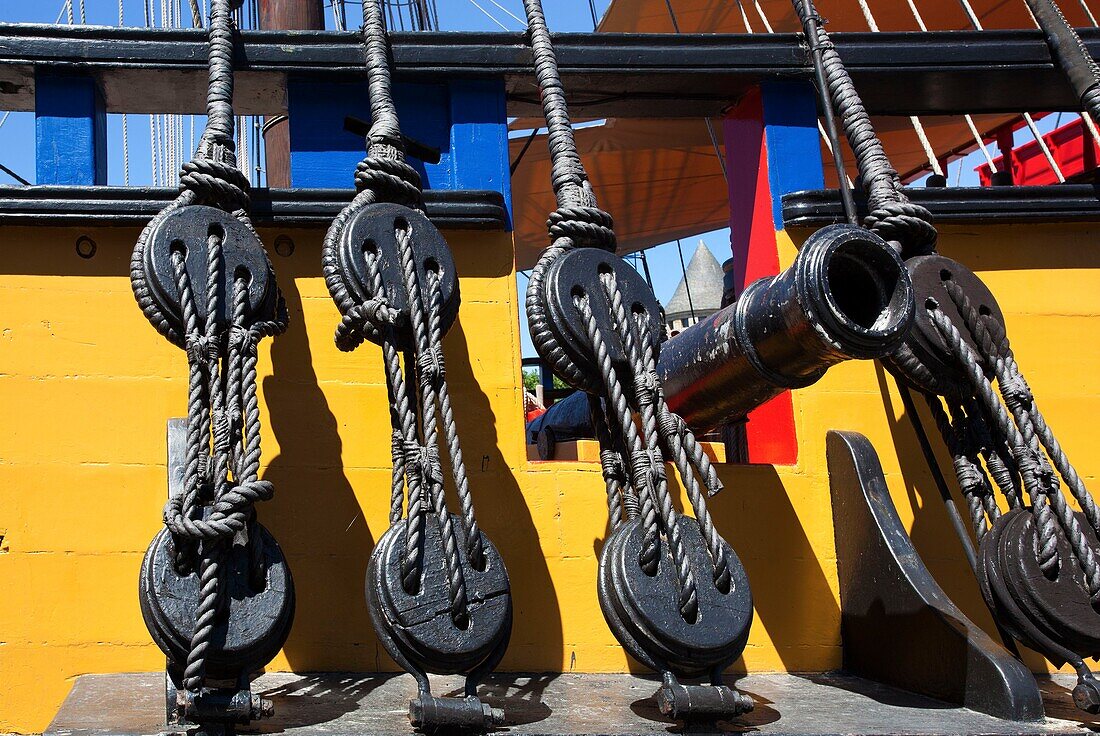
<point>662,179</point>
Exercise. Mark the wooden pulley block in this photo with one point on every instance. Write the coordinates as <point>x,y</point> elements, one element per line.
<point>187,231</point>
<point>374,232</point>
<point>644,614</point>
<point>578,273</point>
<point>257,619</point>
<point>1041,609</point>
<point>416,627</point>
<point>941,373</point>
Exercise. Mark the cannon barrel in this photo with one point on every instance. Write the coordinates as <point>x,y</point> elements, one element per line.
<point>846,296</point>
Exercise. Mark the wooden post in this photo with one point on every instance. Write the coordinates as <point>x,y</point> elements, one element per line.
<point>772,149</point>
<point>70,130</point>
<point>285,15</point>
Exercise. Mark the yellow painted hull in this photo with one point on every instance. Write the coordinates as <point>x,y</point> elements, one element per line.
<point>86,386</point>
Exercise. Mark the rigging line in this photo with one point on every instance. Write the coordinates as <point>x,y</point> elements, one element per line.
<point>969,118</point>
<point>1085,7</point>
<point>981,143</point>
<point>83,13</point>
<point>710,125</point>
<point>645,268</point>
<point>687,286</point>
<point>196,14</point>
<point>14,175</point>
<point>809,32</point>
<point>1045,148</point>
<point>744,17</point>
<point>125,117</point>
<point>672,16</point>
<point>1027,115</point>
<point>971,15</point>
<point>821,129</point>
<point>338,15</point>
<point>918,126</point>
<point>763,17</point>
<point>717,149</point>
<point>69,11</point>
<point>592,9</point>
<point>523,151</point>
<point>522,23</point>
<point>489,15</point>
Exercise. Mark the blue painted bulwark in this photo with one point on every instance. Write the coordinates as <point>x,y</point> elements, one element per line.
<point>794,150</point>
<point>70,130</point>
<point>466,120</point>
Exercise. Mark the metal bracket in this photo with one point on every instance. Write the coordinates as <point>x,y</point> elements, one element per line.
<point>897,624</point>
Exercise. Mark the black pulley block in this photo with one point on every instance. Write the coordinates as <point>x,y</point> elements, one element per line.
<point>578,273</point>
<point>416,627</point>
<point>258,619</point>
<point>924,361</point>
<point>1052,614</point>
<point>375,229</point>
<point>644,614</point>
<point>188,230</point>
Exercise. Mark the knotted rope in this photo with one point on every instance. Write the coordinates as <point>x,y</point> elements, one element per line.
<point>996,434</point>
<point>632,456</point>
<point>906,226</point>
<point>418,412</point>
<point>221,467</point>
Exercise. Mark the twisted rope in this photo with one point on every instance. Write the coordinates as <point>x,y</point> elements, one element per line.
<point>1038,477</point>
<point>1069,51</point>
<point>906,226</point>
<point>222,457</point>
<point>632,461</point>
<point>417,487</point>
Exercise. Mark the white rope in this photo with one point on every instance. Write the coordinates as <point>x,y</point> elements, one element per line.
<point>338,15</point>
<point>969,118</point>
<point>930,152</point>
<point>981,143</point>
<point>763,17</point>
<point>5,118</point>
<point>125,122</point>
<point>153,148</point>
<point>867,16</point>
<point>918,126</point>
<point>744,17</point>
<point>1091,126</point>
<point>1092,18</point>
<point>1046,150</point>
<point>519,20</point>
<point>916,14</point>
<point>69,11</point>
<point>83,13</point>
<point>489,15</point>
<point>971,15</point>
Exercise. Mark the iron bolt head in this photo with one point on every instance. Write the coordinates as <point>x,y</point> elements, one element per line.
<point>1086,696</point>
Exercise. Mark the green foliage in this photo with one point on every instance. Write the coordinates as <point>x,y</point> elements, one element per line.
<point>531,379</point>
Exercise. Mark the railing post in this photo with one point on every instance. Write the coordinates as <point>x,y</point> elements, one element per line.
<point>70,130</point>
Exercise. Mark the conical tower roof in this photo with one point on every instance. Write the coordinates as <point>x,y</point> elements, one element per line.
<point>704,276</point>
